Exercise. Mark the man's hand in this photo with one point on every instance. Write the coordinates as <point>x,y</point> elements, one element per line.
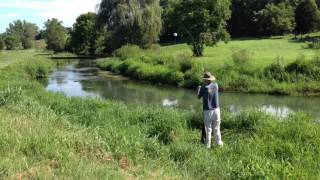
<point>199,88</point>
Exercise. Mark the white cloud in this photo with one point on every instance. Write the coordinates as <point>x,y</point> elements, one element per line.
<point>65,10</point>
<point>9,15</point>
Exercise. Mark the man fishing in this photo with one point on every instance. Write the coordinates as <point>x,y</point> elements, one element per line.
<point>209,93</point>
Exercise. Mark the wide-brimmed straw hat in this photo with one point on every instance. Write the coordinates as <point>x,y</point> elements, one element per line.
<point>208,76</point>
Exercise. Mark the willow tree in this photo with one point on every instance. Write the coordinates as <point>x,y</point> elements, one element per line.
<point>131,22</point>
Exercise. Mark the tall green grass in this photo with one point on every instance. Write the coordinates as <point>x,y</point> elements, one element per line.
<point>51,136</point>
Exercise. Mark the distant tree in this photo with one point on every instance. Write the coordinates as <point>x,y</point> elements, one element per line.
<point>276,19</point>
<point>41,35</point>
<point>131,22</point>
<point>307,17</point>
<point>102,41</point>
<point>2,44</point>
<point>246,20</point>
<point>202,22</point>
<point>84,34</point>
<point>55,35</point>
<point>29,35</point>
<point>12,42</point>
<point>21,34</point>
<point>243,20</point>
<point>13,35</point>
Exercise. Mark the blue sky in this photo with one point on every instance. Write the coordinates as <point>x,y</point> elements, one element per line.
<point>38,11</point>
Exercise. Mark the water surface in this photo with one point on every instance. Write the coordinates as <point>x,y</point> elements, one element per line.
<point>82,78</point>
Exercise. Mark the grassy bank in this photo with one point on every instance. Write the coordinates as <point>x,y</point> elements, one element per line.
<point>47,135</point>
<point>240,70</point>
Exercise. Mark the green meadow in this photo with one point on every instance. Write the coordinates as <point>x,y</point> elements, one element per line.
<point>51,136</point>
<point>264,51</point>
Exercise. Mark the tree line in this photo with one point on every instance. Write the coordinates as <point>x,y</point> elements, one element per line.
<point>200,23</point>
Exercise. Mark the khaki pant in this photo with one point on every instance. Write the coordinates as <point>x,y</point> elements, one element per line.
<point>212,123</point>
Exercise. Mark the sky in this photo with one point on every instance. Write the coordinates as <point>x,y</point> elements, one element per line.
<point>38,11</point>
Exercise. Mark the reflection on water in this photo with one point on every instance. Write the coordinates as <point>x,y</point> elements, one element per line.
<point>82,79</point>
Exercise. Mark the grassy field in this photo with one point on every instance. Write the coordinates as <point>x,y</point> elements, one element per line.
<point>264,51</point>
<point>50,136</point>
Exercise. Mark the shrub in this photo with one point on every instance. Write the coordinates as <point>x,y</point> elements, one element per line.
<point>128,51</point>
<point>174,77</point>
<point>185,62</point>
<point>305,70</point>
<point>243,83</point>
<point>152,73</point>
<point>12,43</point>
<point>2,44</point>
<point>110,64</point>
<point>277,71</point>
<point>193,78</point>
<point>38,69</point>
<point>241,57</point>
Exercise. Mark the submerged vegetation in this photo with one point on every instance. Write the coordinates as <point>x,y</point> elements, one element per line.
<point>47,135</point>
<point>300,77</point>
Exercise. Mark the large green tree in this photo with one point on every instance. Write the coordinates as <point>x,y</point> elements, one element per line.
<point>202,22</point>
<point>84,34</point>
<point>12,42</point>
<point>246,19</point>
<point>29,34</point>
<point>55,35</point>
<point>131,22</point>
<point>276,19</point>
<point>13,35</point>
<point>307,17</point>
<point>21,34</point>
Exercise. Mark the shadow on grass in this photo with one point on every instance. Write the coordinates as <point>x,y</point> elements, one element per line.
<point>303,39</point>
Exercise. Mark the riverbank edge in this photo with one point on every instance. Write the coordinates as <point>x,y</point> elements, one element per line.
<point>253,85</point>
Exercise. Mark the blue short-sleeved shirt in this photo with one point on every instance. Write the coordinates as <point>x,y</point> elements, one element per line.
<point>210,96</point>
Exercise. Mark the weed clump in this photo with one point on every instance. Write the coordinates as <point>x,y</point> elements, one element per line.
<point>241,57</point>
<point>38,69</point>
<point>10,95</point>
<point>128,51</point>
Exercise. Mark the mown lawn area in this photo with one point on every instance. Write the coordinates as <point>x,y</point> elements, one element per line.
<point>264,51</point>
